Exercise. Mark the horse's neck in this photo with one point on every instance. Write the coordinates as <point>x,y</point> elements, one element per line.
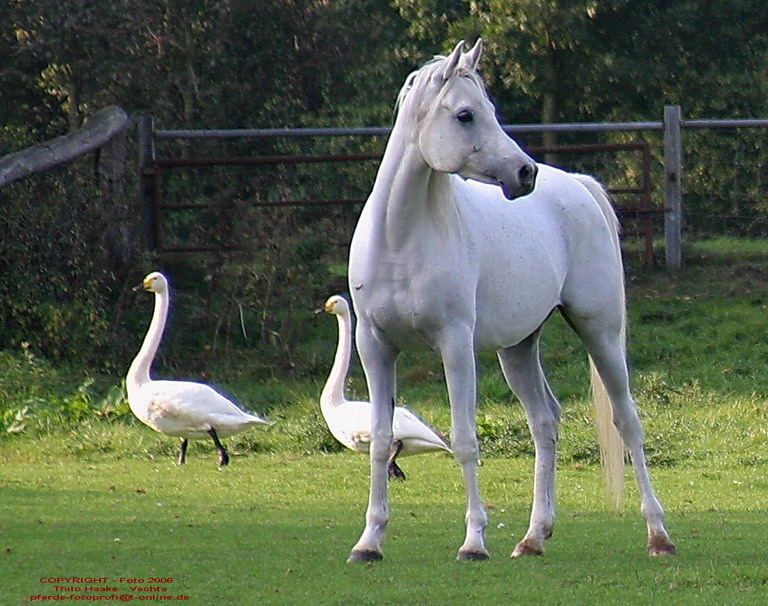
<point>138,373</point>
<point>406,191</point>
<point>333,392</point>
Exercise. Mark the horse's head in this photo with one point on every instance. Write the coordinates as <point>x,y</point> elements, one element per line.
<point>457,127</point>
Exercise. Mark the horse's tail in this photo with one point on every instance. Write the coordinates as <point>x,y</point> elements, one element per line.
<point>611,444</point>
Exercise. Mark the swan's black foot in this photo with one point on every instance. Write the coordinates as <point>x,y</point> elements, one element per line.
<point>183,451</point>
<point>394,472</point>
<point>223,456</point>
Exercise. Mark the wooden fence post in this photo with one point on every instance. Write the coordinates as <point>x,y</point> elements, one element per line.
<point>673,187</point>
<point>146,160</point>
<point>114,203</point>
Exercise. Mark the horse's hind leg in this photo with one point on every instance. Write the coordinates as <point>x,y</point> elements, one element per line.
<point>606,346</point>
<point>522,370</point>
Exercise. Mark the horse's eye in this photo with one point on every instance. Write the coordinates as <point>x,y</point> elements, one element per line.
<point>465,116</point>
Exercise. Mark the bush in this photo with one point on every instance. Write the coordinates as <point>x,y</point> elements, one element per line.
<point>35,397</point>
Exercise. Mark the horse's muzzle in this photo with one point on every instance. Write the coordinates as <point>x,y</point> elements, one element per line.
<point>526,180</point>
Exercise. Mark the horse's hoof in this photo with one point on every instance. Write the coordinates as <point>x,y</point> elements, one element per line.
<point>662,549</point>
<point>525,548</point>
<point>365,555</point>
<point>660,545</point>
<point>472,556</point>
<point>668,550</point>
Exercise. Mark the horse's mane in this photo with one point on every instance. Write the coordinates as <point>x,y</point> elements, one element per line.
<point>418,81</point>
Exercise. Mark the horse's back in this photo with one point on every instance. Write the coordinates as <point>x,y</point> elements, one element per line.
<point>538,252</point>
<point>580,206</point>
<point>566,220</point>
<point>561,201</point>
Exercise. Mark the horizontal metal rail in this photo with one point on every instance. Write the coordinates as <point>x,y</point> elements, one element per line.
<point>321,158</point>
<point>264,204</point>
<point>255,160</point>
<point>749,123</point>
<point>266,133</point>
<point>554,127</point>
<point>256,133</point>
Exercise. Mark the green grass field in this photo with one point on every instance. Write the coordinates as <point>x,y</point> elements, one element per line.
<point>87,492</point>
<point>274,529</point>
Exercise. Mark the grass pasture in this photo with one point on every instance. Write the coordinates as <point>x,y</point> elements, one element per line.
<point>276,530</point>
<point>87,492</point>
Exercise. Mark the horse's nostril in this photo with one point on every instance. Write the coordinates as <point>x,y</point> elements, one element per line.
<point>526,174</point>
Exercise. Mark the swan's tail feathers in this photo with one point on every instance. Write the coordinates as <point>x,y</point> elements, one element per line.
<point>442,440</point>
<point>257,420</point>
<point>419,431</point>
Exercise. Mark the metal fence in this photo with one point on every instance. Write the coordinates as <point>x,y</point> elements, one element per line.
<point>152,167</point>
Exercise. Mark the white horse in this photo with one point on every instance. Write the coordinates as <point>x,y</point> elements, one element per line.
<point>451,265</point>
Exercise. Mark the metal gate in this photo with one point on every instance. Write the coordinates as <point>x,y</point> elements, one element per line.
<point>633,202</point>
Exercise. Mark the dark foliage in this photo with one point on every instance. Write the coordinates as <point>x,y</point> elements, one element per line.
<point>72,240</point>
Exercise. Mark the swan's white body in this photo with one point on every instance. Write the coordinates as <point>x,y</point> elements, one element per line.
<point>178,408</point>
<point>350,421</point>
<point>188,410</point>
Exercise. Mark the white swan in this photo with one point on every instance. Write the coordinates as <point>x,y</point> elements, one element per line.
<point>350,422</point>
<point>179,408</point>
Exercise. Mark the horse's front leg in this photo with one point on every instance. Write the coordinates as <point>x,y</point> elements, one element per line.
<point>457,351</point>
<point>378,360</point>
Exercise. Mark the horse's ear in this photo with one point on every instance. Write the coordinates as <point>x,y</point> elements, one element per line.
<point>472,58</point>
<point>452,61</point>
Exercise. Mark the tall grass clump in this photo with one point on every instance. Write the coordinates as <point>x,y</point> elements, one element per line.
<point>35,396</point>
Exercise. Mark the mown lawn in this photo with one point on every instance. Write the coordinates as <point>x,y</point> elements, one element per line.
<point>274,530</point>
<point>85,491</point>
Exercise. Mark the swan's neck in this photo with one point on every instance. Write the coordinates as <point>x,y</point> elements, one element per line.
<point>333,392</point>
<point>138,373</point>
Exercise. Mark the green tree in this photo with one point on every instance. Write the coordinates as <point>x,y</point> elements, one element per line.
<point>588,60</point>
<point>711,57</point>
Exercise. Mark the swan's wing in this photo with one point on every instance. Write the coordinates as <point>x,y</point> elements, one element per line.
<point>408,427</point>
<point>350,424</point>
<point>174,407</point>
